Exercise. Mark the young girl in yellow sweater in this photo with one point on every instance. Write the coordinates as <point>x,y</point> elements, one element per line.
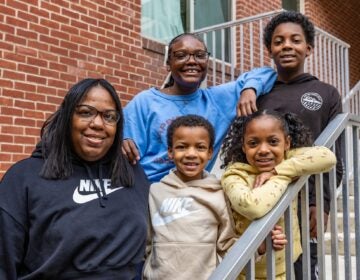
<point>262,154</point>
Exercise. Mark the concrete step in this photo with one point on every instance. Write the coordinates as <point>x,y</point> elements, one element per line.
<point>340,239</point>
<point>339,222</point>
<point>341,269</point>
<point>350,205</point>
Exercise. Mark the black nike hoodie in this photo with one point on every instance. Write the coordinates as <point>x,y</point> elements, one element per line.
<point>76,228</point>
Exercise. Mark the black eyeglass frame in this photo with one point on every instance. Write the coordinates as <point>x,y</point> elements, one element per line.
<point>92,115</point>
<point>188,55</point>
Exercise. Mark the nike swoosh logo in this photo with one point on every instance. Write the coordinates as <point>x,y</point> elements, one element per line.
<point>159,220</point>
<point>80,198</point>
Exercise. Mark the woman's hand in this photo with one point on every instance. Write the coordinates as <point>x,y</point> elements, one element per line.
<point>130,150</point>
<point>263,177</point>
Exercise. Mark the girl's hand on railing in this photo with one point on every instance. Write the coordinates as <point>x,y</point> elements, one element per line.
<point>278,238</point>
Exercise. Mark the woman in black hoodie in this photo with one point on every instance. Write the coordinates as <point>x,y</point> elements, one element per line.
<point>76,209</point>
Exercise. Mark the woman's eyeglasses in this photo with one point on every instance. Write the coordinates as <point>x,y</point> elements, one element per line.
<point>89,113</point>
<point>199,56</point>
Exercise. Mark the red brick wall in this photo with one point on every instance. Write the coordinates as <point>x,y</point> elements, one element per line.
<point>47,46</point>
<point>245,8</point>
<point>341,19</point>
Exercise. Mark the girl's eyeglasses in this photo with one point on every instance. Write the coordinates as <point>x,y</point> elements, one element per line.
<point>89,113</point>
<point>199,56</point>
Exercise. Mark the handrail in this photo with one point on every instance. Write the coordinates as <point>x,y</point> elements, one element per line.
<point>236,22</point>
<point>243,250</point>
<point>352,92</point>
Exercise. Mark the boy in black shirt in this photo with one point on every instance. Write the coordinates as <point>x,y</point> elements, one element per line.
<point>289,38</point>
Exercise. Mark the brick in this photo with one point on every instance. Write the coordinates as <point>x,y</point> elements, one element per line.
<point>56,83</point>
<point>15,39</point>
<point>70,29</point>
<point>34,114</point>
<point>24,122</point>
<point>70,14</point>
<point>79,9</point>
<point>12,130</point>
<point>59,51</point>
<point>18,157</point>
<point>45,6</point>
<point>7,10</point>
<point>49,23</point>
<point>32,131</point>
<point>5,64</point>
<point>59,18</point>
<point>36,96</point>
<point>39,46</point>
<point>6,84</point>
<point>6,138</point>
<point>60,34</point>
<point>13,75</point>
<point>25,140</point>
<point>49,73</point>
<point>35,79</point>
<point>24,104</point>
<point>7,28</point>
<point>4,157</point>
<point>11,148</point>
<point>28,68</point>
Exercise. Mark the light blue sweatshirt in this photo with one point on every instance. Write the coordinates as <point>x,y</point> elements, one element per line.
<point>150,112</point>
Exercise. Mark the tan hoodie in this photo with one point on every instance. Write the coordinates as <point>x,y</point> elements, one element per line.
<point>191,227</point>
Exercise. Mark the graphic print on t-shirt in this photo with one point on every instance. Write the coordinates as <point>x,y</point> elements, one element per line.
<point>311,101</point>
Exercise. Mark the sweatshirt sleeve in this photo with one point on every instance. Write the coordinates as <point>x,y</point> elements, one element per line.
<point>260,79</point>
<point>135,119</point>
<point>226,236</point>
<point>12,244</point>
<point>306,161</point>
<point>249,202</point>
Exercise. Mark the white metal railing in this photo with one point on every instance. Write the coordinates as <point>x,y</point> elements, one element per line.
<point>351,102</point>
<point>241,256</point>
<point>242,48</point>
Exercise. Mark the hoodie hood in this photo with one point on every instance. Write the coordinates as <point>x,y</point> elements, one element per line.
<point>303,78</point>
<point>209,181</point>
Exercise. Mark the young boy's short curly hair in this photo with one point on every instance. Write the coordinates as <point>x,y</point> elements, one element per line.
<point>190,121</point>
<point>289,16</point>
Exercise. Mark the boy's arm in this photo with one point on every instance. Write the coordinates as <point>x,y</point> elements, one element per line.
<point>306,161</point>
<point>247,201</point>
<point>261,80</point>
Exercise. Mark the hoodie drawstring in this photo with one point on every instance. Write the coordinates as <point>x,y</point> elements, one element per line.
<point>99,191</point>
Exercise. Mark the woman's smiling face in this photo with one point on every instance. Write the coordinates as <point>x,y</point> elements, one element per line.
<point>92,138</point>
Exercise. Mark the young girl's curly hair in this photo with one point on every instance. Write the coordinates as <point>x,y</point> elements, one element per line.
<point>231,150</point>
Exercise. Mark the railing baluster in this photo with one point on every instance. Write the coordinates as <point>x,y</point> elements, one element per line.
<point>305,231</point>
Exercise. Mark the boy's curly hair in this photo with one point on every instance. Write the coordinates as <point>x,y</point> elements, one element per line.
<point>190,121</point>
<point>231,150</point>
<point>289,16</point>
